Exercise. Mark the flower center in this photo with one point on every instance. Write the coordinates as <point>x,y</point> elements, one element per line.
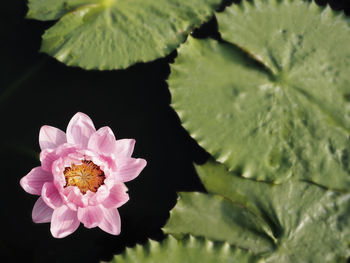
<point>86,176</point>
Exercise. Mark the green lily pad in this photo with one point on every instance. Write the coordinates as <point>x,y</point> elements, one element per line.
<point>187,250</point>
<point>216,218</point>
<point>278,109</point>
<point>114,34</point>
<point>309,223</point>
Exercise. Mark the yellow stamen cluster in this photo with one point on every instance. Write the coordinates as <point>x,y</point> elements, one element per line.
<point>86,176</point>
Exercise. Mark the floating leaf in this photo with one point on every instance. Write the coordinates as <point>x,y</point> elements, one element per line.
<point>114,34</point>
<point>187,250</point>
<point>283,109</point>
<point>217,218</point>
<point>309,223</point>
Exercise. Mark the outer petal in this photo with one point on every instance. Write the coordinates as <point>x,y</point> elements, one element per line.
<point>117,196</point>
<point>64,222</point>
<point>41,212</point>
<point>47,157</point>
<point>51,137</point>
<point>111,221</point>
<point>124,148</point>
<point>51,196</point>
<point>90,216</point>
<point>103,141</point>
<point>79,129</point>
<point>128,169</point>
<point>33,182</point>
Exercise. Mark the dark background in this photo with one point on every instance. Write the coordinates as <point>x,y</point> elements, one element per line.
<point>36,90</point>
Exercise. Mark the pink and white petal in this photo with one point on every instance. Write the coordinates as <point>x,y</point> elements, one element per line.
<point>64,222</point>
<point>111,221</point>
<point>33,182</point>
<point>51,196</point>
<point>110,180</point>
<point>72,206</point>
<point>41,212</point>
<point>103,141</point>
<point>124,148</point>
<point>128,169</point>
<point>65,200</point>
<point>58,174</point>
<point>79,130</point>
<point>73,195</point>
<point>110,163</point>
<point>47,157</point>
<point>117,196</point>
<point>51,137</point>
<point>98,197</point>
<point>90,216</point>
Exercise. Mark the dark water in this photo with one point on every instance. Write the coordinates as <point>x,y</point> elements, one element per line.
<point>37,90</point>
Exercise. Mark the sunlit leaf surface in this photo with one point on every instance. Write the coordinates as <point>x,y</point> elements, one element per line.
<point>308,223</point>
<point>275,103</point>
<point>187,250</point>
<point>114,34</point>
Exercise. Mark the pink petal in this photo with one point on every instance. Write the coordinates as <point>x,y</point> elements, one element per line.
<point>51,196</point>
<point>98,197</point>
<point>47,157</point>
<point>90,216</point>
<point>128,169</point>
<point>79,129</point>
<point>124,148</point>
<point>33,182</point>
<point>51,137</point>
<point>41,212</point>
<point>117,196</point>
<point>103,141</point>
<point>110,163</point>
<point>64,222</point>
<point>73,195</point>
<point>111,221</point>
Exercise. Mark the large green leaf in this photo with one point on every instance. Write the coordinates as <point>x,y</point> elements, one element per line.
<point>309,223</point>
<point>219,219</point>
<point>54,9</point>
<point>281,111</point>
<point>114,34</point>
<point>187,250</point>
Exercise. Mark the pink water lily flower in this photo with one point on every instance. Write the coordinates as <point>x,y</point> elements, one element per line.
<point>81,177</point>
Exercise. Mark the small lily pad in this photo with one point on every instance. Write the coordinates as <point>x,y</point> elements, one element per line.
<point>114,34</point>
